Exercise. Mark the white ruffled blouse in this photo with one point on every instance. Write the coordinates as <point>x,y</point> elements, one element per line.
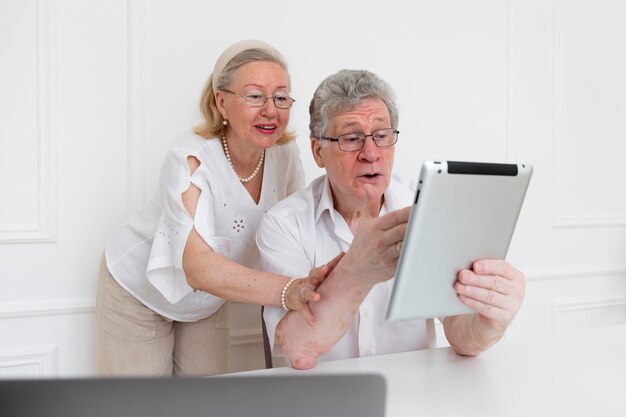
<point>145,254</point>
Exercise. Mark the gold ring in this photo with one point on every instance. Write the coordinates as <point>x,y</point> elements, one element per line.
<point>398,246</point>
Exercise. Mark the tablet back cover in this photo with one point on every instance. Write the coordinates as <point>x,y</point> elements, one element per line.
<point>463,212</point>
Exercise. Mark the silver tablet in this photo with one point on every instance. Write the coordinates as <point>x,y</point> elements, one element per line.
<point>463,212</point>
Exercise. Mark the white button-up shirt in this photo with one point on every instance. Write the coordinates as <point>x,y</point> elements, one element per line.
<point>305,231</point>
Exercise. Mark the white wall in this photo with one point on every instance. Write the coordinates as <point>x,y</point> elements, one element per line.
<point>93,92</point>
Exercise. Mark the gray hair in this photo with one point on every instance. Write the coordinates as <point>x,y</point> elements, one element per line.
<point>345,90</point>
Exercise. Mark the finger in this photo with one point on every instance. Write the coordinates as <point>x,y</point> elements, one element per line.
<point>317,275</point>
<point>490,312</point>
<point>398,246</point>
<point>395,234</point>
<point>497,267</point>
<point>333,262</point>
<point>308,315</point>
<point>395,250</point>
<point>490,282</point>
<point>394,218</point>
<point>484,295</point>
<point>307,294</point>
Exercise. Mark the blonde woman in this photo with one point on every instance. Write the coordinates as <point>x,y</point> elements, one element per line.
<point>168,271</point>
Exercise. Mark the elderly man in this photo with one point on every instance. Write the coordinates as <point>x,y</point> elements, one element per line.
<point>360,208</point>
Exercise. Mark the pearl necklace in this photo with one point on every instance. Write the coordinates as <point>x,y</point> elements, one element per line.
<point>230,162</point>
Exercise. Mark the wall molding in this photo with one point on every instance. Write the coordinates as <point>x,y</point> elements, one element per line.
<point>559,219</point>
<point>44,230</point>
<point>562,222</point>
<point>47,308</point>
<point>136,129</point>
<point>241,337</point>
<point>43,358</point>
<point>562,308</point>
<point>511,80</point>
<point>571,273</point>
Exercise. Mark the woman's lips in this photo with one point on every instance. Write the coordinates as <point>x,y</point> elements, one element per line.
<point>266,129</point>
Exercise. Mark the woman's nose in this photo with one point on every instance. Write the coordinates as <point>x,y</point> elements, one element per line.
<point>269,108</point>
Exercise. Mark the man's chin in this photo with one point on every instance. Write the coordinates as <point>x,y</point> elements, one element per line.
<point>373,192</point>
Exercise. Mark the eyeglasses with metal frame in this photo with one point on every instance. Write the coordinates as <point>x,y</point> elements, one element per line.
<point>351,142</point>
<point>259,100</point>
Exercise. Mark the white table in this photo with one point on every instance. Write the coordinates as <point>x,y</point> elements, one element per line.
<point>576,374</point>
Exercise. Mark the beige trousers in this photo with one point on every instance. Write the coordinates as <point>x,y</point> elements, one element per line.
<point>134,340</point>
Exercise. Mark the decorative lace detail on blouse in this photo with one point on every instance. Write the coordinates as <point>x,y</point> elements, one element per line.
<point>239,225</point>
<point>167,231</point>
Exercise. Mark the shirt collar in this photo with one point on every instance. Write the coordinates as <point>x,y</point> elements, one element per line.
<point>326,200</point>
<point>396,195</point>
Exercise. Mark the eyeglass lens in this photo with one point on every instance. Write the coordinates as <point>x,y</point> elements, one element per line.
<point>257,100</point>
<point>355,141</point>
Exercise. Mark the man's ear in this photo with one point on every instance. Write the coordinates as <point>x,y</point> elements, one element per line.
<point>316,150</point>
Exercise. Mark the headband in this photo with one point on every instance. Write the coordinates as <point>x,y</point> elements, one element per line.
<point>234,50</point>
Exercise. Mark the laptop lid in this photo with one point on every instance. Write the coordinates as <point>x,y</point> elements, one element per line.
<point>360,395</point>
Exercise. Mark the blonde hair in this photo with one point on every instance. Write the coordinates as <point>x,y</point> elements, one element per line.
<point>213,123</point>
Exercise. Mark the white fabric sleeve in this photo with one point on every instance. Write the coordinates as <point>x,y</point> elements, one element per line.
<point>165,265</point>
<point>204,221</point>
<point>281,253</point>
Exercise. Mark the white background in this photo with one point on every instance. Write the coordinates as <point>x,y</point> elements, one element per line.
<point>93,92</point>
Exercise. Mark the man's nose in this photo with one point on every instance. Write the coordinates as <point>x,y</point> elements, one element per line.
<point>370,151</point>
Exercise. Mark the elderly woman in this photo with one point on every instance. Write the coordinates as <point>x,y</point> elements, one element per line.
<point>169,269</point>
<point>360,208</point>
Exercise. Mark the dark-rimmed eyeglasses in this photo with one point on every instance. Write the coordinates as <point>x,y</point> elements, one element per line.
<point>354,141</point>
<point>259,100</point>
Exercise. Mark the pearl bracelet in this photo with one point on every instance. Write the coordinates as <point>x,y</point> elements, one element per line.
<point>283,293</point>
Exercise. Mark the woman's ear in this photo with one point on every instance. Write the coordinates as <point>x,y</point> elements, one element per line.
<point>219,102</point>
<point>317,151</point>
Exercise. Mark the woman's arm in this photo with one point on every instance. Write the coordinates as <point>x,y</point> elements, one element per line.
<point>211,272</point>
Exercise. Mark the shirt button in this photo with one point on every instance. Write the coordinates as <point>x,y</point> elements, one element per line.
<point>365,314</point>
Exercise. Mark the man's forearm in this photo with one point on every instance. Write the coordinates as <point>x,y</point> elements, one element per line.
<point>341,295</point>
<point>469,335</point>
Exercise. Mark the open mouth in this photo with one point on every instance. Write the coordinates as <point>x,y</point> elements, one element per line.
<point>266,128</point>
<point>370,177</point>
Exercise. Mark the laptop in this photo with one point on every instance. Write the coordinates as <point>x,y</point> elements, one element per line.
<point>342,395</point>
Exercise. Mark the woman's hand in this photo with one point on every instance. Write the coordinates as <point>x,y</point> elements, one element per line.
<point>302,290</point>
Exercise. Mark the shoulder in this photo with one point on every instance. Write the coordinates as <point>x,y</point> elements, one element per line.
<point>298,206</point>
<point>191,144</point>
